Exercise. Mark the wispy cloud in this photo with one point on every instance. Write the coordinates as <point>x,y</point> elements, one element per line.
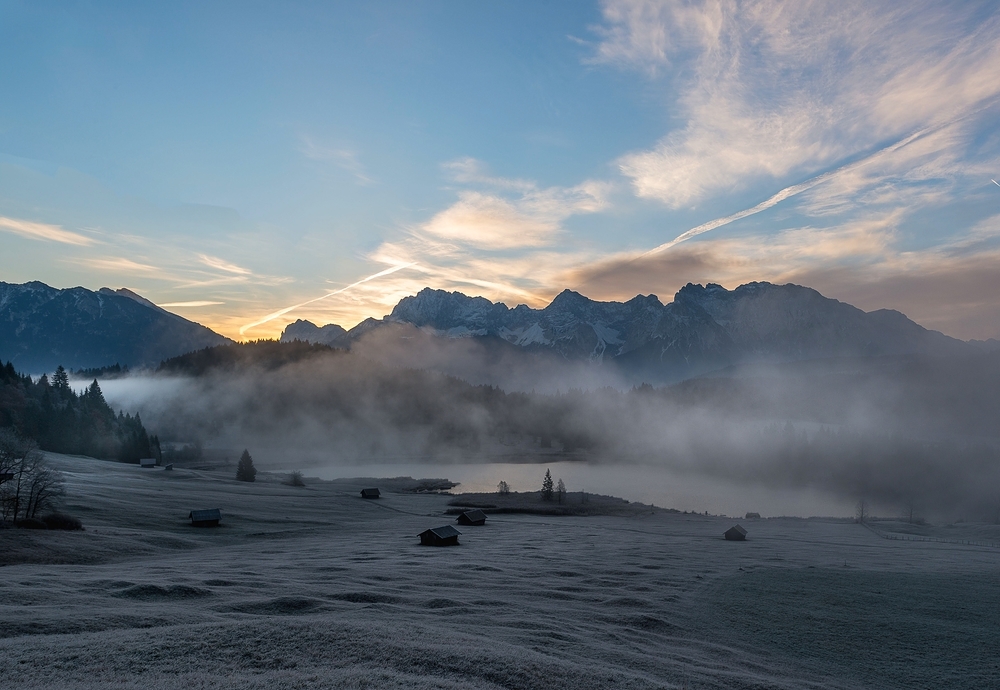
<point>786,193</point>
<point>222,265</point>
<point>773,88</point>
<point>44,232</point>
<point>118,265</point>
<point>344,158</point>
<point>195,303</point>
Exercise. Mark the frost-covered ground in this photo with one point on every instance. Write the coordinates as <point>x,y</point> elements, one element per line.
<point>316,587</point>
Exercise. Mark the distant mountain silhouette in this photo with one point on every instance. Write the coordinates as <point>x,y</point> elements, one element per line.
<point>703,329</point>
<point>308,332</point>
<point>42,327</point>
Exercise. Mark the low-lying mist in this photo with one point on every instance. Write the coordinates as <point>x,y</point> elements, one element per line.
<point>907,435</point>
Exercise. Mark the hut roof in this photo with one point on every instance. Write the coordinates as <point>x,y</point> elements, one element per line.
<point>370,493</point>
<point>473,516</point>
<point>442,532</point>
<point>736,533</point>
<point>205,515</point>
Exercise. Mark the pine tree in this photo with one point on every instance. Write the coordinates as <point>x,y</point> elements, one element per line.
<point>245,471</point>
<point>60,380</point>
<point>547,486</point>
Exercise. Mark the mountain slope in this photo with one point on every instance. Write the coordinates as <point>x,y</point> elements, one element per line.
<point>42,327</point>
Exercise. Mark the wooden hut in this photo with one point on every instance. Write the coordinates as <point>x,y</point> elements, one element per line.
<point>370,493</point>
<point>205,518</point>
<point>147,462</point>
<point>735,533</point>
<point>472,517</point>
<point>439,536</point>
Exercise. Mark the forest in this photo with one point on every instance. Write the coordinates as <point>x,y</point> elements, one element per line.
<point>58,419</point>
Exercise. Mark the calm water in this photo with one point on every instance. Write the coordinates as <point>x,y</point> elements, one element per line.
<point>644,483</point>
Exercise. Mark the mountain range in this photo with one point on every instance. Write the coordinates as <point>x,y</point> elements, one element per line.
<point>703,329</point>
<point>42,327</point>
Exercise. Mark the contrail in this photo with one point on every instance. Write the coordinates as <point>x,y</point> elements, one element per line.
<point>783,194</point>
<point>282,312</point>
<point>995,182</point>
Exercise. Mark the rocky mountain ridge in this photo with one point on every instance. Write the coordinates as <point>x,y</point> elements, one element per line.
<point>703,328</point>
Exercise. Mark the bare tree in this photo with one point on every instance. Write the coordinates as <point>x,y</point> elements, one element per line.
<point>44,487</point>
<point>862,512</point>
<point>27,483</point>
<point>503,488</point>
<point>560,491</point>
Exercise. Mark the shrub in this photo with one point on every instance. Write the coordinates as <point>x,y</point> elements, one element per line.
<point>62,521</point>
<point>31,523</point>
<point>295,479</point>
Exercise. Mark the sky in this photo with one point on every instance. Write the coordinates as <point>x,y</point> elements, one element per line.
<point>247,164</point>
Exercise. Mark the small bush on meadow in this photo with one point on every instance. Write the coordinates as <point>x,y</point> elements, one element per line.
<point>62,521</point>
<point>295,479</point>
<point>31,523</point>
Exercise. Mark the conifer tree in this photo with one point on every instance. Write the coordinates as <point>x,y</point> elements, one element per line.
<point>60,379</point>
<point>547,486</point>
<point>245,471</point>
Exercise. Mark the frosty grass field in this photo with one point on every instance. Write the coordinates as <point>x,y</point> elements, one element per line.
<point>316,587</point>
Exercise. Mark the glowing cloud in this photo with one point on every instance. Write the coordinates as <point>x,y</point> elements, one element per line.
<point>43,232</point>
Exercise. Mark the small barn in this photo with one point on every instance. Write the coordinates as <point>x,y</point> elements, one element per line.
<point>472,517</point>
<point>147,462</point>
<point>370,493</point>
<point>735,533</point>
<point>205,518</point>
<point>439,536</point>
<point>169,467</point>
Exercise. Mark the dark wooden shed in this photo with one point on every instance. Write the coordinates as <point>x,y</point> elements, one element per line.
<point>735,533</point>
<point>439,536</point>
<point>370,493</point>
<point>205,518</point>
<point>472,517</point>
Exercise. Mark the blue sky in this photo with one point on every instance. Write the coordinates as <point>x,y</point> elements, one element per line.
<point>235,160</point>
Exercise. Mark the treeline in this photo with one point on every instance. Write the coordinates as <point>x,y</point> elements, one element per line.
<point>53,415</point>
